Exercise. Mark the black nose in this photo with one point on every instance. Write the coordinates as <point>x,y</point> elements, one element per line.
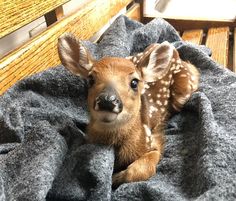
<point>108,100</point>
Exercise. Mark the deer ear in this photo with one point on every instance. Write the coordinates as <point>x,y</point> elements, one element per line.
<point>159,62</point>
<point>74,56</point>
<point>155,61</point>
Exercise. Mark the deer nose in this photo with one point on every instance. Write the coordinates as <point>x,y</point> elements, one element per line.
<point>109,101</point>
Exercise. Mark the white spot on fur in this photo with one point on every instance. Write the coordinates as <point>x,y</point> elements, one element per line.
<point>173,67</point>
<point>165,102</point>
<point>140,54</point>
<point>162,82</point>
<point>167,95</point>
<point>151,100</point>
<point>158,102</point>
<point>153,109</point>
<point>178,61</point>
<point>183,75</point>
<point>176,71</point>
<point>147,130</point>
<point>158,95</point>
<point>129,57</point>
<point>162,110</point>
<point>146,86</point>
<point>173,60</point>
<point>193,78</point>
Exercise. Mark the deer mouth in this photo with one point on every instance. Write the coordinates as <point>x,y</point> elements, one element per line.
<point>106,117</point>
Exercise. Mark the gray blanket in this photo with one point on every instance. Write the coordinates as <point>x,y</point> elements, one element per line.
<point>43,118</point>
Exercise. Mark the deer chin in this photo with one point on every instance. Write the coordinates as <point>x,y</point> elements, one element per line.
<point>106,117</point>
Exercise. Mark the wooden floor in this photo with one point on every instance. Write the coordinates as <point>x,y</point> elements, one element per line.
<point>220,40</point>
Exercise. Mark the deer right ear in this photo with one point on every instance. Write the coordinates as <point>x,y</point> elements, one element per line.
<point>159,62</point>
<point>74,56</point>
<point>154,62</point>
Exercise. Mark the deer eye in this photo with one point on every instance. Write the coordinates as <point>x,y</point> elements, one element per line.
<point>91,80</point>
<point>134,84</point>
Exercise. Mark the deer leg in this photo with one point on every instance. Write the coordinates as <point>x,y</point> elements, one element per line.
<point>141,169</point>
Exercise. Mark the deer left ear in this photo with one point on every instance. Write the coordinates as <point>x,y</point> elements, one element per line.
<point>155,61</point>
<point>74,56</point>
<point>159,62</point>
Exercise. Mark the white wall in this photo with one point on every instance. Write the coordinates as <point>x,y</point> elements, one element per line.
<point>191,9</point>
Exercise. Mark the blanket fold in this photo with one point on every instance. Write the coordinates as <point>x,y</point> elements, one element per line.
<point>43,155</point>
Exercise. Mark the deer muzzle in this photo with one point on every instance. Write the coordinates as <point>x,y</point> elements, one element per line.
<point>108,101</point>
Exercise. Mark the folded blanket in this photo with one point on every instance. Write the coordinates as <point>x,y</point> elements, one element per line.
<point>43,155</point>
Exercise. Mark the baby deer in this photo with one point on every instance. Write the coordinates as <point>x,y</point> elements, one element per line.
<point>129,101</point>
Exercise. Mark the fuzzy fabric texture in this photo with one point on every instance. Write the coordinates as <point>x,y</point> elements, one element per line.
<point>43,118</point>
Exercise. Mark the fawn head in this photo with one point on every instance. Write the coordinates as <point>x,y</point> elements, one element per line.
<point>115,84</point>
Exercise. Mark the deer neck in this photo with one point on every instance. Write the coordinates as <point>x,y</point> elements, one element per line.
<point>115,135</point>
<point>128,140</point>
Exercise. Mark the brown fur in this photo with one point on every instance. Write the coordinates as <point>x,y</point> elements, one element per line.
<point>125,134</point>
<point>137,134</point>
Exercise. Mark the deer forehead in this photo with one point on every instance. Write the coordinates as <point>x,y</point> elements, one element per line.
<point>113,67</point>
